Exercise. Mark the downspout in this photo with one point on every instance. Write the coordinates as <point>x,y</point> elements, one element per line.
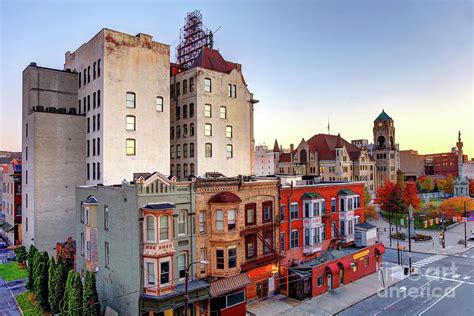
<point>289,231</point>
<point>140,248</point>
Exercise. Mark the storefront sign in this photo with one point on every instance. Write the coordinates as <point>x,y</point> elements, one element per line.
<point>361,254</point>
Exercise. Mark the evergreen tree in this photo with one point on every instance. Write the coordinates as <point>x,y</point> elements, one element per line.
<point>91,306</point>
<point>67,293</point>
<point>56,284</point>
<point>40,284</point>
<point>21,254</point>
<point>75,296</point>
<point>31,256</point>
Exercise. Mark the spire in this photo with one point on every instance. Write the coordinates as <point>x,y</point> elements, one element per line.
<point>339,142</point>
<point>383,116</point>
<point>276,147</point>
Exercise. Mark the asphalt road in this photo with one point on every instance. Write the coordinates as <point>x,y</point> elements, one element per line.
<point>443,285</point>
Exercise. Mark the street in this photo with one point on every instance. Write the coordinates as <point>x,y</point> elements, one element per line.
<point>443,285</point>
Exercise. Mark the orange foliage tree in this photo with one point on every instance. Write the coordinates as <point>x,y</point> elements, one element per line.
<point>454,206</point>
<point>409,196</point>
<point>370,212</point>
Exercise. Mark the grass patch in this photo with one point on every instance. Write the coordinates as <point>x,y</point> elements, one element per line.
<point>29,305</point>
<point>12,271</point>
<point>418,221</point>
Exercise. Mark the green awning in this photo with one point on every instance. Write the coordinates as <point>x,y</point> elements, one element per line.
<point>312,196</point>
<point>345,192</point>
<point>6,227</point>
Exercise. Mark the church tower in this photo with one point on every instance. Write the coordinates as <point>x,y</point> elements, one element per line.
<point>385,151</point>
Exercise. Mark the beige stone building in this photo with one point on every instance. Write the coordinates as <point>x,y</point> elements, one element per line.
<point>211,118</point>
<point>412,164</point>
<point>123,90</point>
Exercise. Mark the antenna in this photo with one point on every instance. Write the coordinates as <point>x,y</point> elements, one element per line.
<point>329,126</point>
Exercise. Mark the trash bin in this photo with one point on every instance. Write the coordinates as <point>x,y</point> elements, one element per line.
<point>406,270</point>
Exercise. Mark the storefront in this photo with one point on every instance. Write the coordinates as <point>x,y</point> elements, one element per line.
<point>228,296</point>
<point>264,281</point>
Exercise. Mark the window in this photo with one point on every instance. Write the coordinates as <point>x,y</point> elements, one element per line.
<point>85,77</point>
<point>191,152</point>
<point>88,103</point>
<point>178,170</point>
<point>88,148</point>
<point>229,90</point>
<point>223,112</point>
<point>341,205</point>
<point>178,131</point>
<point>159,104</point>
<point>282,212</point>
<point>98,98</point>
<point>80,79</point>
<point>267,211</point>
<point>350,227</point>
<point>208,148</point>
<point>231,219</point>
<point>164,272</point>
<point>130,100</point>
<point>306,236</point>
<point>182,265</point>
<point>171,132</point>
<point>185,151</point>
<point>150,228</point>
<point>294,239</point>
<point>98,67</point>
<point>191,129</point>
<point>185,130</point>
<point>202,222</point>
<point>93,123</point>
<point>250,246</point>
<point>320,280</point>
<point>130,146</point>
<point>178,151</point>
<point>207,85</point>
<point>130,123</point>
<point>164,228</point>
<point>88,171</point>
<point>228,131</point>
<point>94,70</point>
<point>106,217</point>
<point>98,122</point>
<point>235,91</point>
<point>185,87</point>
<point>219,220</point>
<point>207,110</point>
<point>182,223</point>
<point>294,211</point>
<point>250,214</point>
<point>307,209</point>
<point>191,110</point>
<point>150,273</point>
<point>191,167</point>
<point>82,243</point>
<point>89,74</point>
<point>202,255</point>
<point>185,111</point>
<point>93,100</point>
<point>342,230</point>
<point>282,241</point>
<point>107,252</point>
<point>229,151</point>
<point>268,238</point>
<point>333,204</point>
<point>172,151</point>
<point>178,112</point>
<point>191,84</point>
<point>316,235</point>
<point>220,258</point>
<point>232,257</point>
<point>93,170</point>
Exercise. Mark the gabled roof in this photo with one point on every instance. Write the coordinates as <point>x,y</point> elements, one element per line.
<point>225,197</point>
<point>383,117</point>
<point>285,157</point>
<point>339,142</point>
<point>159,206</point>
<point>344,192</point>
<point>211,59</point>
<point>325,145</point>
<point>91,200</point>
<point>311,195</point>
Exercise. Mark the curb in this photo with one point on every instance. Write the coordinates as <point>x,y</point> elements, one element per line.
<point>432,253</point>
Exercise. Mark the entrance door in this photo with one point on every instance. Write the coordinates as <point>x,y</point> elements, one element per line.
<point>341,276</point>
<point>329,279</point>
<point>262,289</point>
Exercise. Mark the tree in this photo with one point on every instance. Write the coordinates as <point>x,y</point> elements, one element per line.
<point>21,254</point>
<point>90,298</point>
<point>427,184</point>
<point>67,292</point>
<point>401,179</point>
<point>367,197</point>
<point>72,300</point>
<point>449,184</point>
<point>56,284</point>
<point>471,188</point>
<point>31,258</point>
<point>40,284</point>
<point>410,197</point>
<point>370,212</point>
<point>383,194</point>
<point>454,206</point>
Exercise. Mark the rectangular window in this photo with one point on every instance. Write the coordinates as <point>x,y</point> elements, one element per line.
<point>98,122</point>
<point>307,208</point>
<point>159,104</point>
<point>250,214</point>
<point>107,254</point>
<point>89,74</point>
<point>320,281</point>
<point>191,84</point>
<point>150,272</point>
<point>282,241</point>
<point>208,148</point>
<point>130,147</point>
<point>235,91</point>
<point>316,235</point>
<point>178,151</point>
<point>223,112</point>
<point>88,171</point>
<point>202,254</point>
<point>341,205</point>
<point>228,131</point>
<point>164,228</point>
<point>208,110</point>
<point>98,67</point>
<point>94,70</point>
<point>202,222</point>
<point>268,244</point>
<point>130,120</point>
<point>82,243</point>
<point>294,211</point>
<point>185,86</point>
<point>229,90</point>
<point>93,123</point>
<point>80,79</point>
<point>219,220</point>
<point>182,223</point>
<point>306,236</point>
<point>88,103</point>
<point>93,147</point>
<point>208,129</point>
<point>219,258</point>
<point>191,152</point>
<point>98,167</point>
<point>84,77</point>
<point>267,211</point>
<point>294,242</point>
<point>164,273</point>
<point>130,100</point>
<point>333,205</point>
<point>93,171</point>
<point>94,100</point>
<point>232,257</point>
<point>98,98</point>
<point>229,151</point>
<point>182,265</point>
<point>172,151</point>
<point>207,85</point>
<point>250,246</point>
<point>282,212</point>
<point>231,219</point>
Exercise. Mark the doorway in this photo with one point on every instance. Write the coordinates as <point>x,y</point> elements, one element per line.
<point>329,280</point>
<point>341,276</point>
<point>262,289</point>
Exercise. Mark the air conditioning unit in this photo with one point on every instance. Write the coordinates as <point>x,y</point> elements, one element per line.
<point>38,108</point>
<point>51,109</point>
<point>62,110</point>
<point>72,111</point>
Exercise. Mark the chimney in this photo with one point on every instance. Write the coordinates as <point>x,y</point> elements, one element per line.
<point>292,147</point>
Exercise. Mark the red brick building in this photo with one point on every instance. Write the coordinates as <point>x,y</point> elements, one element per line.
<point>444,164</point>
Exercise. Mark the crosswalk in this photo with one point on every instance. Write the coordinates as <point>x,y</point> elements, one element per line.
<point>428,260</point>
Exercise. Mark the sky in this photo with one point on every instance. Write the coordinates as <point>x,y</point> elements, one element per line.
<point>308,62</point>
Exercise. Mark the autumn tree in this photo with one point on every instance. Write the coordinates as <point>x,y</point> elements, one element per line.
<point>370,212</point>
<point>367,197</point>
<point>401,179</point>
<point>427,184</point>
<point>449,184</point>
<point>454,206</point>
<point>410,196</point>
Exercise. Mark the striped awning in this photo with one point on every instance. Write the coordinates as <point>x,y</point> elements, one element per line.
<point>228,285</point>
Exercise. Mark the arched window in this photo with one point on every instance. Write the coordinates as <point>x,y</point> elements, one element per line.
<point>131,122</point>
<point>150,228</point>
<point>381,141</point>
<point>164,228</point>
<point>185,155</point>
<point>130,99</point>
<point>303,156</point>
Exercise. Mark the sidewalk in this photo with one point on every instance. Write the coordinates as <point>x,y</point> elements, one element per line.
<point>332,302</point>
<point>453,235</point>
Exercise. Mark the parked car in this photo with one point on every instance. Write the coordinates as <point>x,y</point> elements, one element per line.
<point>471,238</point>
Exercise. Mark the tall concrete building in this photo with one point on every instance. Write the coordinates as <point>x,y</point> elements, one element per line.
<point>211,118</point>
<point>123,90</point>
<point>265,159</point>
<point>385,150</point>
<point>53,145</point>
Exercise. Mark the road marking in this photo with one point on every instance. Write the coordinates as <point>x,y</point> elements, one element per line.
<point>446,279</point>
<point>466,278</point>
<point>438,300</point>
<point>456,276</point>
<point>421,263</point>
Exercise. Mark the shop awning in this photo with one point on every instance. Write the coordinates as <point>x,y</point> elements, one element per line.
<point>6,227</point>
<point>227,285</point>
<point>345,263</point>
<point>333,267</point>
<point>379,249</point>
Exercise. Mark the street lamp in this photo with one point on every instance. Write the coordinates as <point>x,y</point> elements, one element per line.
<point>186,280</point>
<point>465,222</point>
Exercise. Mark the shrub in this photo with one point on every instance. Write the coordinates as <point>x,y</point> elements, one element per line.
<point>21,254</point>
<point>91,304</point>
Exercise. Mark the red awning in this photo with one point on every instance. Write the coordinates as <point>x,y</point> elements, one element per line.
<point>230,284</point>
<point>345,263</point>
<point>379,249</point>
<point>333,267</point>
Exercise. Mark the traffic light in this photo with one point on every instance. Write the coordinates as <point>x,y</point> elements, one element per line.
<point>459,219</point>
<point>437,220</point>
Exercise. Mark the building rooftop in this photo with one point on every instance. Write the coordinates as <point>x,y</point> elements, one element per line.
<point>211,59</point>
<point>383,117</point>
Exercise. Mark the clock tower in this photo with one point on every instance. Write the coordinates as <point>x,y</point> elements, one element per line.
<point>385,151</point>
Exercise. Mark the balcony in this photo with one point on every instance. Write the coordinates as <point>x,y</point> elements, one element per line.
<point>158,250</point>
<point>312,222</point>
<point>344,216</point>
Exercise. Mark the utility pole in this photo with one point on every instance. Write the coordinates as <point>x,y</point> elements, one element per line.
<point>410,212</point>
<point>465,222</point>
<point>186,280</point>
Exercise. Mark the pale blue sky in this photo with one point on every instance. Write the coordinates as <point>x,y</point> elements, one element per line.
<point>304,60</point>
